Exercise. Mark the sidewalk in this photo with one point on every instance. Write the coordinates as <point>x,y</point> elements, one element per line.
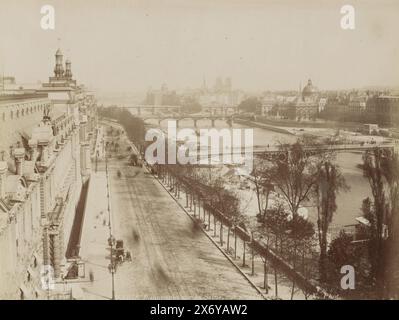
<point>94,245</point>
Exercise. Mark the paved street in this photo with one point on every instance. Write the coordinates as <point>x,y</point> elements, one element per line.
<point>171,258</point>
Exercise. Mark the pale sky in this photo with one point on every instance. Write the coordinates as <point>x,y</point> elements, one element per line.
<point>260,44</point>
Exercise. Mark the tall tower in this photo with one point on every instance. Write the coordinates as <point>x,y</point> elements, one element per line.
<point>59,69</point>
<point>203,83</point>
<point>68,70</point>
<point>218,84</point>
<point>227,84</point>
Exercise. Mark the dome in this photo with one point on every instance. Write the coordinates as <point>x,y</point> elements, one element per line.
<point>309,89</point>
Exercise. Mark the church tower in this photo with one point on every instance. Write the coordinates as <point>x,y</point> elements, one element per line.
<point>59,69</point>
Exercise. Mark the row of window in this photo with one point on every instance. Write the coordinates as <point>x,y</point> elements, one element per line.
<point>25,111</point>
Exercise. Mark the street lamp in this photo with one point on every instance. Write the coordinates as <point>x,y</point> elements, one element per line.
<point>111,239</point>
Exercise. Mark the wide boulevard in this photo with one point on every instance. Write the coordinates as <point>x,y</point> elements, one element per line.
<point>171,258</point>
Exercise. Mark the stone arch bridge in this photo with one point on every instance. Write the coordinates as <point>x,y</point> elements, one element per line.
<point>175,113</point>
<point>195,118</point>
<point>211,110</point>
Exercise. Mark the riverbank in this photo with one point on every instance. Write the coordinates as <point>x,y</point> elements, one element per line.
<point>308,124</point>
<point>257,124</point>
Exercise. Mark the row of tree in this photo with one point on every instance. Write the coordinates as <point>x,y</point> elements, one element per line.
<point>133,126</point>
<point>203,187</point>
<point>304,178</point>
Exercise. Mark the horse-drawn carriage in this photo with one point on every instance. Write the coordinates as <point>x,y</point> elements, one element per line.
<point>135,160</point>
<point>121,254</point>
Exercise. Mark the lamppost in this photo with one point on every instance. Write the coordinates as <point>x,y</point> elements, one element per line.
<point>111,238</point>
<point>96,159</point>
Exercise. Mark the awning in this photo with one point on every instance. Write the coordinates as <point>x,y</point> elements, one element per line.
<point>363,220</point>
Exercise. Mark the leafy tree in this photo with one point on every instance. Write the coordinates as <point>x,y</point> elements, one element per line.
<point>134,126</point>
<point>299,228</point>
<point>263,186</point>
<point>330,182</point>
<point>276,221</point>
<point>251,104</point>
<point>381,167</point>
<point>191,105</point>
<point>342,252</point>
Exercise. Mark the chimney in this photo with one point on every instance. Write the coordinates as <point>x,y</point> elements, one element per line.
<point>19,155</point>
<point>68,70</point>
<point>33,148</point>
<point>44,151</point>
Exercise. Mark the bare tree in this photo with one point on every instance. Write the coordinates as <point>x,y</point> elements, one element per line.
<point>275,223</point>
<point>294,176</point>
<point>260,177</point>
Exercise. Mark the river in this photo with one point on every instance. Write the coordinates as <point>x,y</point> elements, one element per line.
<point>348,202</point>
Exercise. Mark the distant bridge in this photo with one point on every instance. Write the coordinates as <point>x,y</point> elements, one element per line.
<point>153,109</point>
<point>194,117</point>
<point>175,113</point>
<point>274,152</point>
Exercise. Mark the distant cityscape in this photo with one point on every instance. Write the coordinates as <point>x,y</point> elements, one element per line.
<point>307,104</point>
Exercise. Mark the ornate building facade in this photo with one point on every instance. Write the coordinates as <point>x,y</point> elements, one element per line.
<point>45,145</point>
<point>304,106</point>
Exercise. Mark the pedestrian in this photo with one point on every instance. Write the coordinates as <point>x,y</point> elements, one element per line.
<point>128,256</point>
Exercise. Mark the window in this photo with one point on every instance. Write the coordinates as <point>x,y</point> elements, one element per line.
<point>11,114</point>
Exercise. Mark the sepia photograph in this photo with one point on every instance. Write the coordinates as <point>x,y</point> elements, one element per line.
<point>200,150</point>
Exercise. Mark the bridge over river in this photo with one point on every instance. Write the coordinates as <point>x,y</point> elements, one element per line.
<point>176,113</point>
<point>274,152</point>
<point>153,109</point>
